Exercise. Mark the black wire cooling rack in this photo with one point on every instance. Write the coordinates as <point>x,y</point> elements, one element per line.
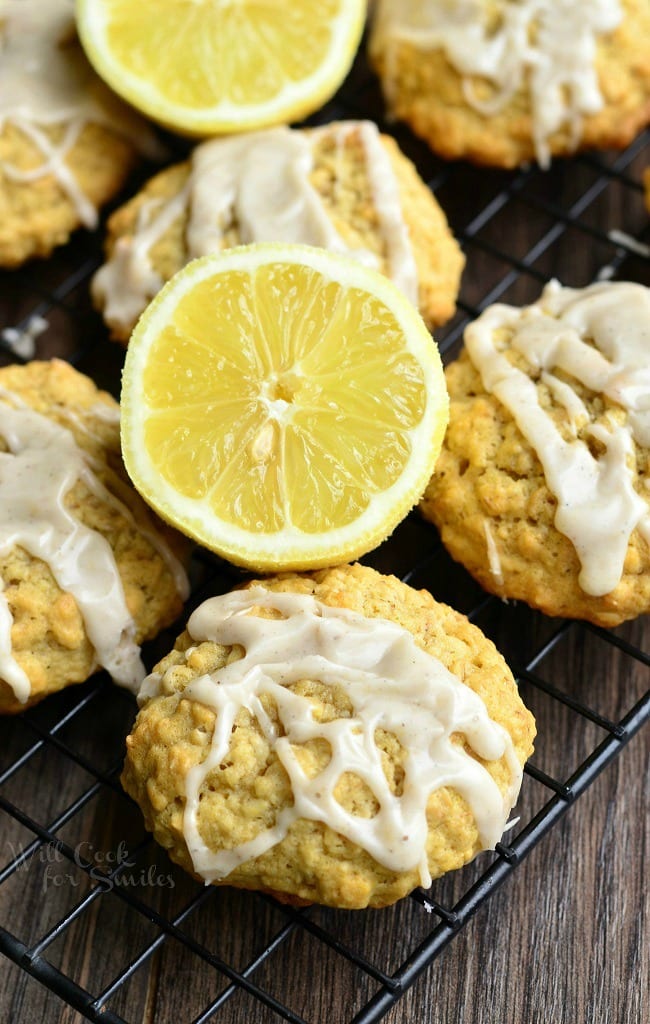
<point>75,862</point>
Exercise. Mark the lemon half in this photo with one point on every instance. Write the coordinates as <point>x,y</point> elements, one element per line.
<point>282,405</point>
<point>206,67</point>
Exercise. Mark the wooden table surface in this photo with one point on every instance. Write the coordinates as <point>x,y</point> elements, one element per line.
<point>565,939</point>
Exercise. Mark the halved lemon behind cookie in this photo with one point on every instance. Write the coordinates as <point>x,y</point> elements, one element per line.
<point>282,405</point>
<point>206,67</point>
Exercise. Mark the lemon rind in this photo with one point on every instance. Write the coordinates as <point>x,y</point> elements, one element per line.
<point>291,548</point>
<point>292,103</point>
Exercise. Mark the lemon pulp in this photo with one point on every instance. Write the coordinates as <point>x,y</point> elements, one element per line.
<point>278,415</point>
<point>207,66</point>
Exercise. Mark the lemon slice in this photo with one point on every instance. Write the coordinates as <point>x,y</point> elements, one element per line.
<point>282,405</point>
<point>211,66</point>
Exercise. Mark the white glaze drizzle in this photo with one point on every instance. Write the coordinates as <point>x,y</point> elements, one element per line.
<point>10,670</point>
<point>391,683</point>
<point>386,199</point>
<point>45,82</point>
<point>147,530</point>
<point>621,238</point>
<point>142,523</point>
<point>494,561</point>
<point>259,182</point>
<point>42,464</point>
<point>23,342</point>
<point>607,272</point>
<point>127,282</point>
<point>598,336</point>
<point>547,45</point>
<point>564,395</point>
<point>105,412</point>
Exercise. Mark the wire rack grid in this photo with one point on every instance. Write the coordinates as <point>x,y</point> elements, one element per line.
<point>75,862</point>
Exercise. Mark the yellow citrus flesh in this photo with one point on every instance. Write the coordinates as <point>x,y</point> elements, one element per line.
<point>211,66</point>
<point>282,405</point>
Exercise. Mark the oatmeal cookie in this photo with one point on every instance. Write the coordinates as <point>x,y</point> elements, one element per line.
<point>86,570</point>
<point>302,738</point>
<point>504,83</point>
<point>67,144</point>
<point>343,186</point>
<point>542,489</point>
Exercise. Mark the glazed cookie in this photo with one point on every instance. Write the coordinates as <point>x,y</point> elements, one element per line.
<point>502,82</point>
<point>336,738</point>
<point>343,186</point>
<point>86,571</point>
<point>542,489</point>
<point>67,143</point>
